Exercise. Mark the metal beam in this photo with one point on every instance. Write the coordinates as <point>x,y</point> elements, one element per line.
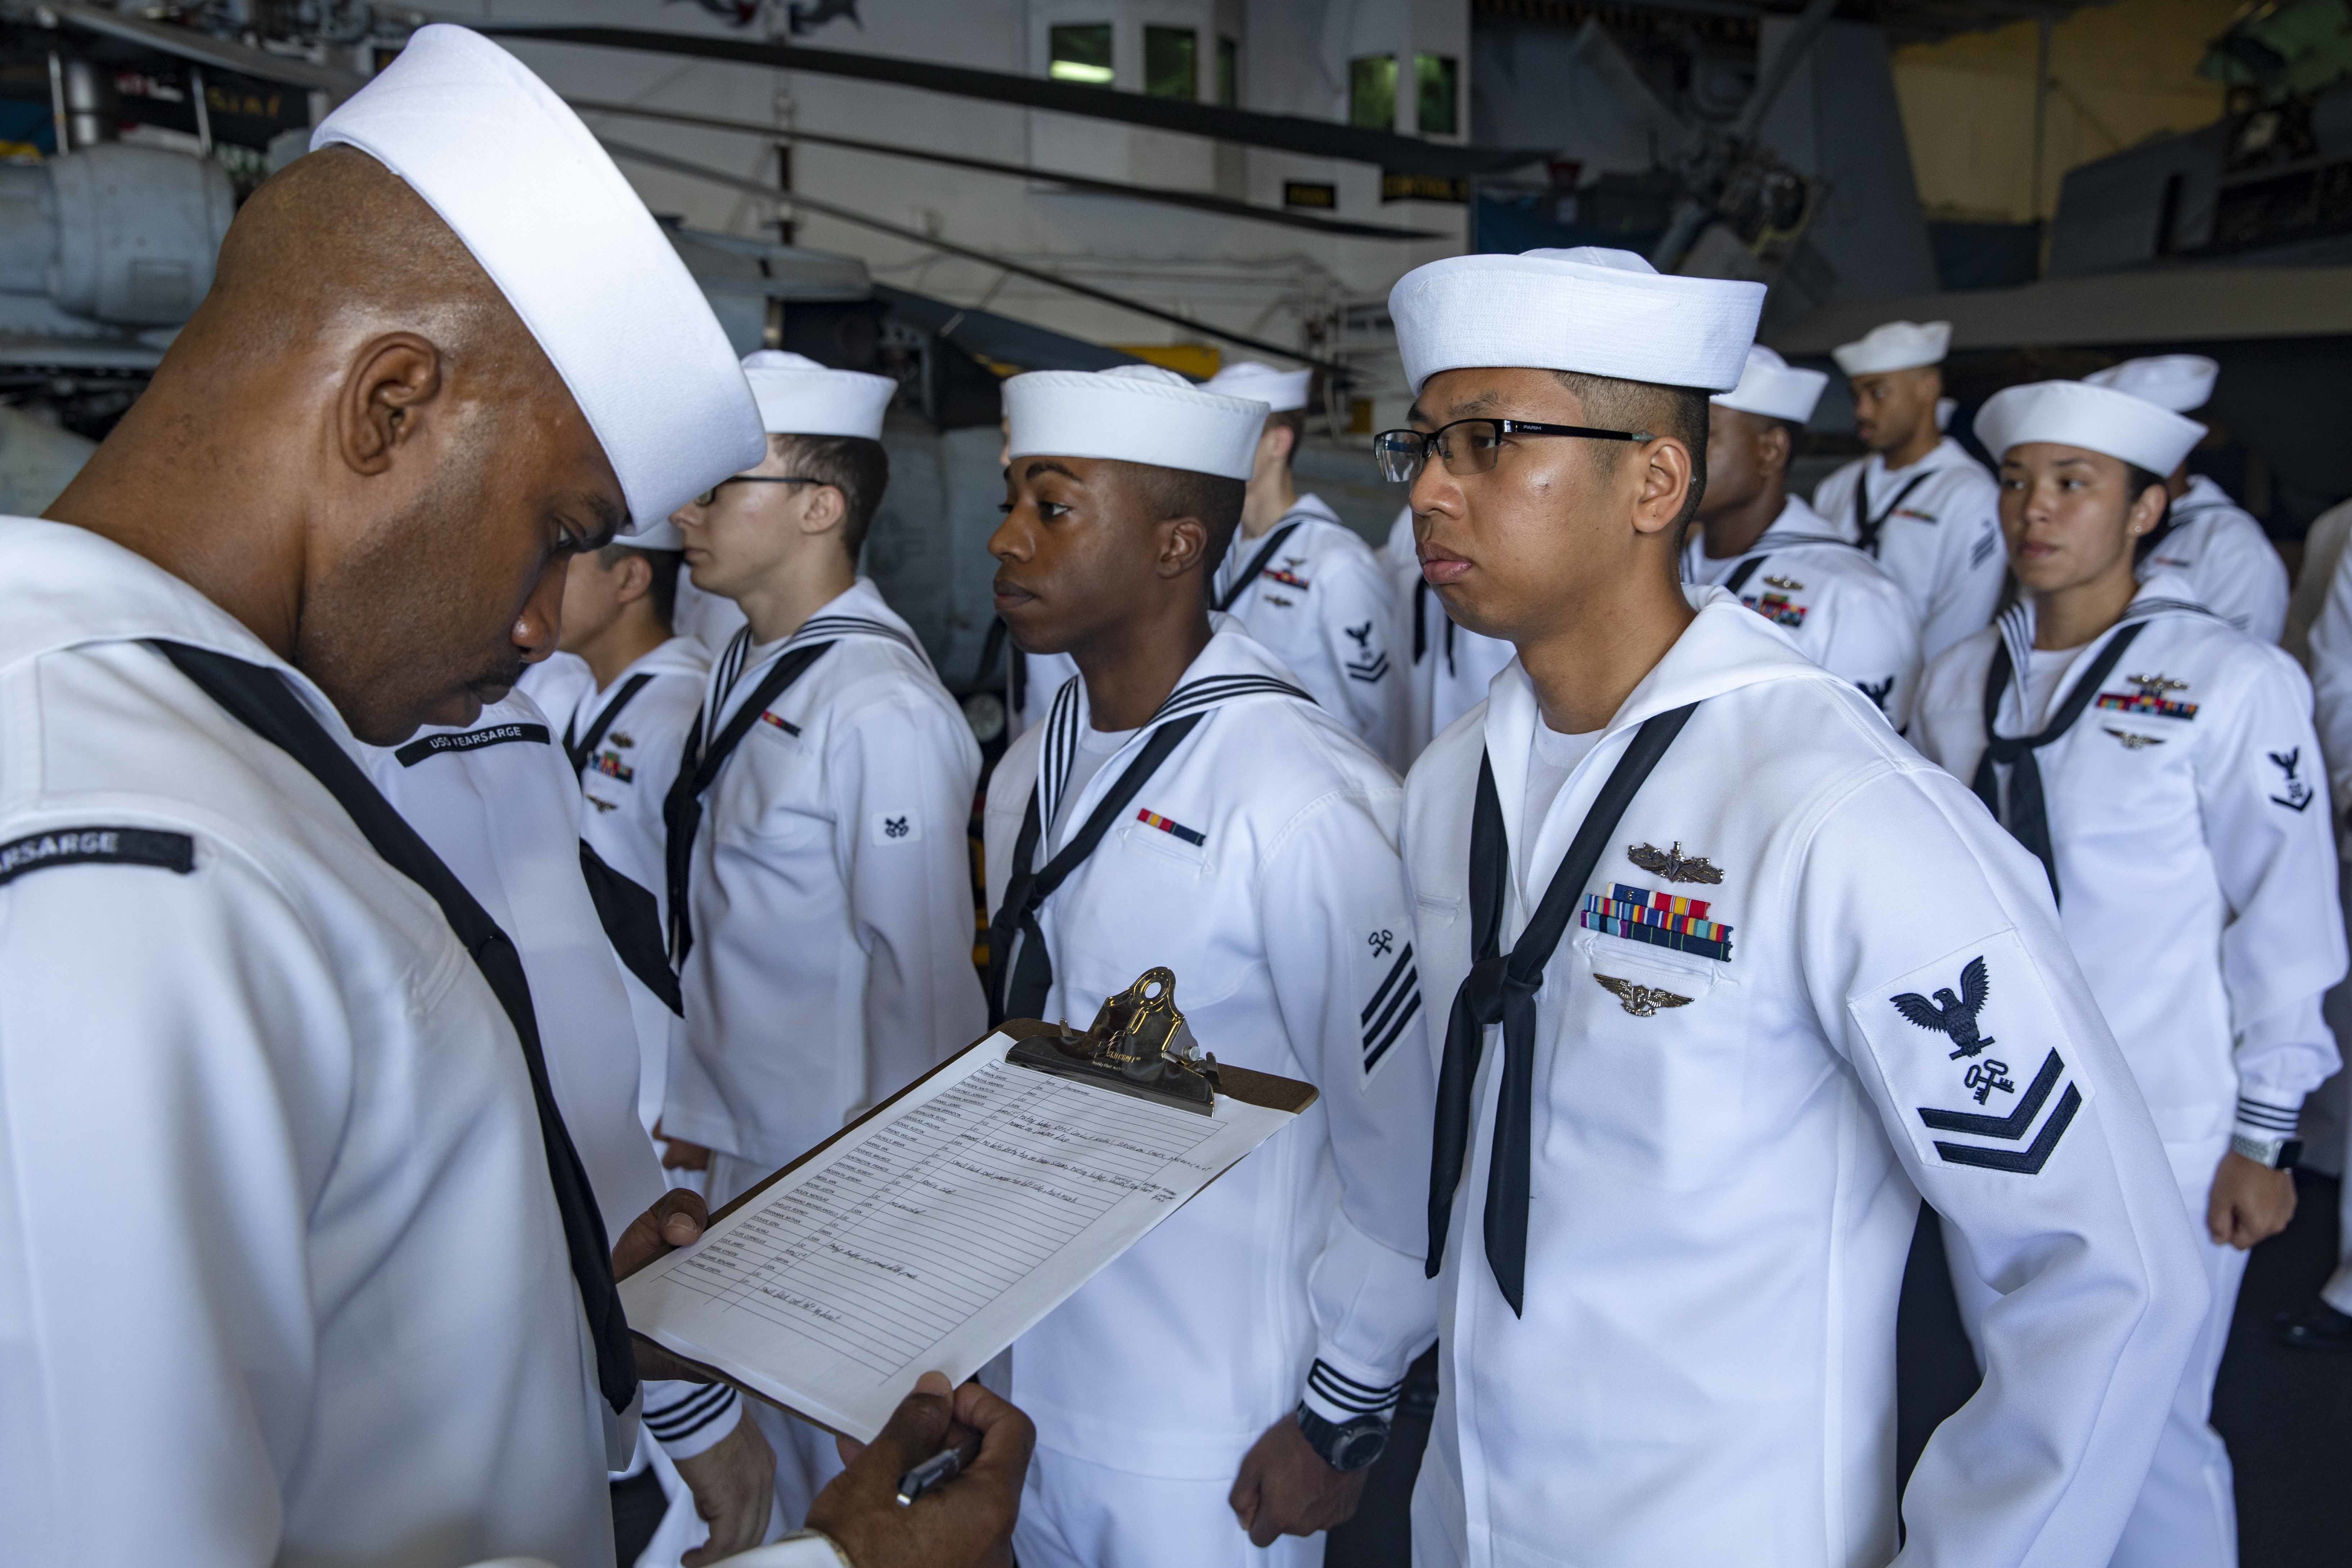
<point>1278,133</point>
<point>914,237</point>
<point>1195,200</point>
<point>202,48</point>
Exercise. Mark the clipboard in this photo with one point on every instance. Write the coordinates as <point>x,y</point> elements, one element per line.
<point>1021,1165</point>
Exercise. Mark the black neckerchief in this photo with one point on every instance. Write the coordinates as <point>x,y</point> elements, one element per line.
<point>1019,990</point>
<point>579,750</point>
<point>1866,526</point>
<point>1501,989</point>
<point>259,698</point>
<point>698,767</point>
<point>2025,813</point>
<point>1258,564</point>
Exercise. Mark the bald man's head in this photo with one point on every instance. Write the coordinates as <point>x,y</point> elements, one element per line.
<point>357,449</point>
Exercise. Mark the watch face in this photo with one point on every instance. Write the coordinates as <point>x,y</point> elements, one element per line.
<point>1359,1448</point>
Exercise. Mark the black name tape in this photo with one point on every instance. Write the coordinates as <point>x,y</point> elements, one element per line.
<point>97,846</point>
<point>416,751</point>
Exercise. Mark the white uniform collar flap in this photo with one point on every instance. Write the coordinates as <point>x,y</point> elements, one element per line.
<point>2163,593</point>
<point>1234,668</point>
<point>68,586</point>
<point>1726,648</point>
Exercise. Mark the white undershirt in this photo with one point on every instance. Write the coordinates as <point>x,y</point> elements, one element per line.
<point>1551,758</point>
<point>2045,671</point>
<point>1096,747</point>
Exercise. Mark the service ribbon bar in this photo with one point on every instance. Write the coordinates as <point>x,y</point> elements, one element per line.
<point>2141,702</point>
<point>1661,919</point>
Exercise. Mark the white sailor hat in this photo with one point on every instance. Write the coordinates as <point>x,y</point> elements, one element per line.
<point>799,397</point>
<point>1280,390</point>
<point>1589,310</point>
<point>1134,412</point>
<point>1774,389</point>
<point>2178,382</point>
<point>526,188</point>
<point>1895,345</point>
<point>2097,418</point>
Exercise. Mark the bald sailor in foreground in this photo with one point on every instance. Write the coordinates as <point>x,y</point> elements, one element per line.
<point>1686,896</point>
<point>339,1292</point>
<point>1303,583</point>
<point>1918,505</point>
<point>2206,538</point>
<point>1777,554</point>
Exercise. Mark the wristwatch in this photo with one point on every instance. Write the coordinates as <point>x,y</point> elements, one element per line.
<point>2278,1154</point>
<point>1348,1445</point>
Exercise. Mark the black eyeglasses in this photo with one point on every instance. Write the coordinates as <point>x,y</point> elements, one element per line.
<point>707,496</point>
<point>1470,445</point>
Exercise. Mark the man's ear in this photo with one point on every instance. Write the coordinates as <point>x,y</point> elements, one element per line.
<point>1284,438</point>
<point>382,399</point>
<point>1183,545</point>
<point>1663,471</point>
<point>1775,447</point>
<point>826,509</point>
<point>636,579</point>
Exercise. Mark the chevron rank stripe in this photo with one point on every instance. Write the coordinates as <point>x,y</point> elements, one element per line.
<point>2013,1128</point>
<point>1392,1006</point>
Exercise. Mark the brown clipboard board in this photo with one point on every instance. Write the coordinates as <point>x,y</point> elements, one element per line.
<point>1268,1091</point>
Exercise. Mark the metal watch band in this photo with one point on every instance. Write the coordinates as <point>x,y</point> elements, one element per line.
<point>2278,1154</point>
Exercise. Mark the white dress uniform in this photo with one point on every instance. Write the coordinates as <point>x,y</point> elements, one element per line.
<point>1837,604</point>
<point>1735,1111</point>
<point>280,1241</point>
<point>1934,526</point>
<point>624,742</point>
<point>1257,862</point>
<point>1314,593</point>
<point>335,1290</point>
<point>1451,666</point>
<point>2225,557</point>
<point>2323,550</point>
<point>827,958</point>
<point>497,803</point>
<point>2195,870</point>
<point>2331,680</point>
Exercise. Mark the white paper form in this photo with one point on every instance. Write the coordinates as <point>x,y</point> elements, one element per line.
<point>932,1236</point>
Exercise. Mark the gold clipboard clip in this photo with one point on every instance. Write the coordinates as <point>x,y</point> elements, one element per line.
<point>1139,1045</point>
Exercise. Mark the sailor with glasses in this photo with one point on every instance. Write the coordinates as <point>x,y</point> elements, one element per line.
<point>1723,964</point>
<point>819,878</point>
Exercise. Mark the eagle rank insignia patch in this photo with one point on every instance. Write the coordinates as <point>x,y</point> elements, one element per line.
<point>1967,1106</point>
<point>1642,1001</point>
